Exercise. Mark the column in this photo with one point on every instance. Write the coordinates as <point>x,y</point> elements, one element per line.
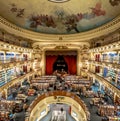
<point>21,81</point>
<point>79,63</point>
<point>43,63</point>
<point>114,98</point>
<point>6,93</point>
<point>93,79</point>
<point>30,56</point>
<point>4,56</point>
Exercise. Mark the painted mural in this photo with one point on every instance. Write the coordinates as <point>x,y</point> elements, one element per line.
<point>114,2</point>
<point>68,22</point>
<point>19,12</point>
<point>72,16</point>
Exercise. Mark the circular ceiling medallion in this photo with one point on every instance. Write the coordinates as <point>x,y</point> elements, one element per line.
<point>58,1</point>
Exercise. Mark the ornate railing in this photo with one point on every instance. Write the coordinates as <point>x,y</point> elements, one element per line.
<point>55,94</point>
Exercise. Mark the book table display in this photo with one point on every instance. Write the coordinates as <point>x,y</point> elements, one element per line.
<point>112,113</point>
<point>6,107</point>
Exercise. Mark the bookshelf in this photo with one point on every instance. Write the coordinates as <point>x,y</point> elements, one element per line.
<point>10,74</point>
<point>2,78</point>
<point>119,58</point>
<point>118,80</point>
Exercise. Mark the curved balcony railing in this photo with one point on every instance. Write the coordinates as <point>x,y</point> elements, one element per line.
<point>107,83</point>
<point>14,60</point>
<point>15,80</point>
<point>113,83</point>
<point>57,93</point>
<point>115,62</point>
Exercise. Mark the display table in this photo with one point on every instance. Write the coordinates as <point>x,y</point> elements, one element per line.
<point>96,101</point>
<point>21,97</point>
<point>106,110</point>
<point>58,115</point>
<point>31,92</point>
<point>4,116</point>
<point>90,94</point>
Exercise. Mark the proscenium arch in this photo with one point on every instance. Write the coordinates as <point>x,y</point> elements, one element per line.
<point>69,50</point>
<point>77,46</point>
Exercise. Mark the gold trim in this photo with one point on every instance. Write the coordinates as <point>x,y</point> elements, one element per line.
<point>53,96</point>
<point>107,28</point>
<point>78,46</point>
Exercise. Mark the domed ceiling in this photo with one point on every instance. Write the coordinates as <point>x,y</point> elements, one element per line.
<point>59,16</point>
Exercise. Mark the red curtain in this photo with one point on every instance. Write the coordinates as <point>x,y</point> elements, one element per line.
<point>71,62</point>
<point>50,59</point>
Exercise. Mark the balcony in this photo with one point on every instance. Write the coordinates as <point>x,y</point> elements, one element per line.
<point>15,80</point>
<point>106,82</point>
<point>106,62</point>
<point>13,62</point>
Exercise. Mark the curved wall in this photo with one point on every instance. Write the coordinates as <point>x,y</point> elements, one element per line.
<point>41,103</point>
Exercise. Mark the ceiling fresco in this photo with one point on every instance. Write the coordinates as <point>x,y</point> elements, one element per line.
<point>59,16</point>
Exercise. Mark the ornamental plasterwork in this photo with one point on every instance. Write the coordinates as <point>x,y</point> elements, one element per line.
<point>107,28</point>
<point>61,47</point>
<point>12,39</point>
<point>37,48</point>
<point>82,46</point>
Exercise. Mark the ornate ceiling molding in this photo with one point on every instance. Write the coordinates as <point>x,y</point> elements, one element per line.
<point>60,47</point>
<point>100,31</point>
<point>81,46</point>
